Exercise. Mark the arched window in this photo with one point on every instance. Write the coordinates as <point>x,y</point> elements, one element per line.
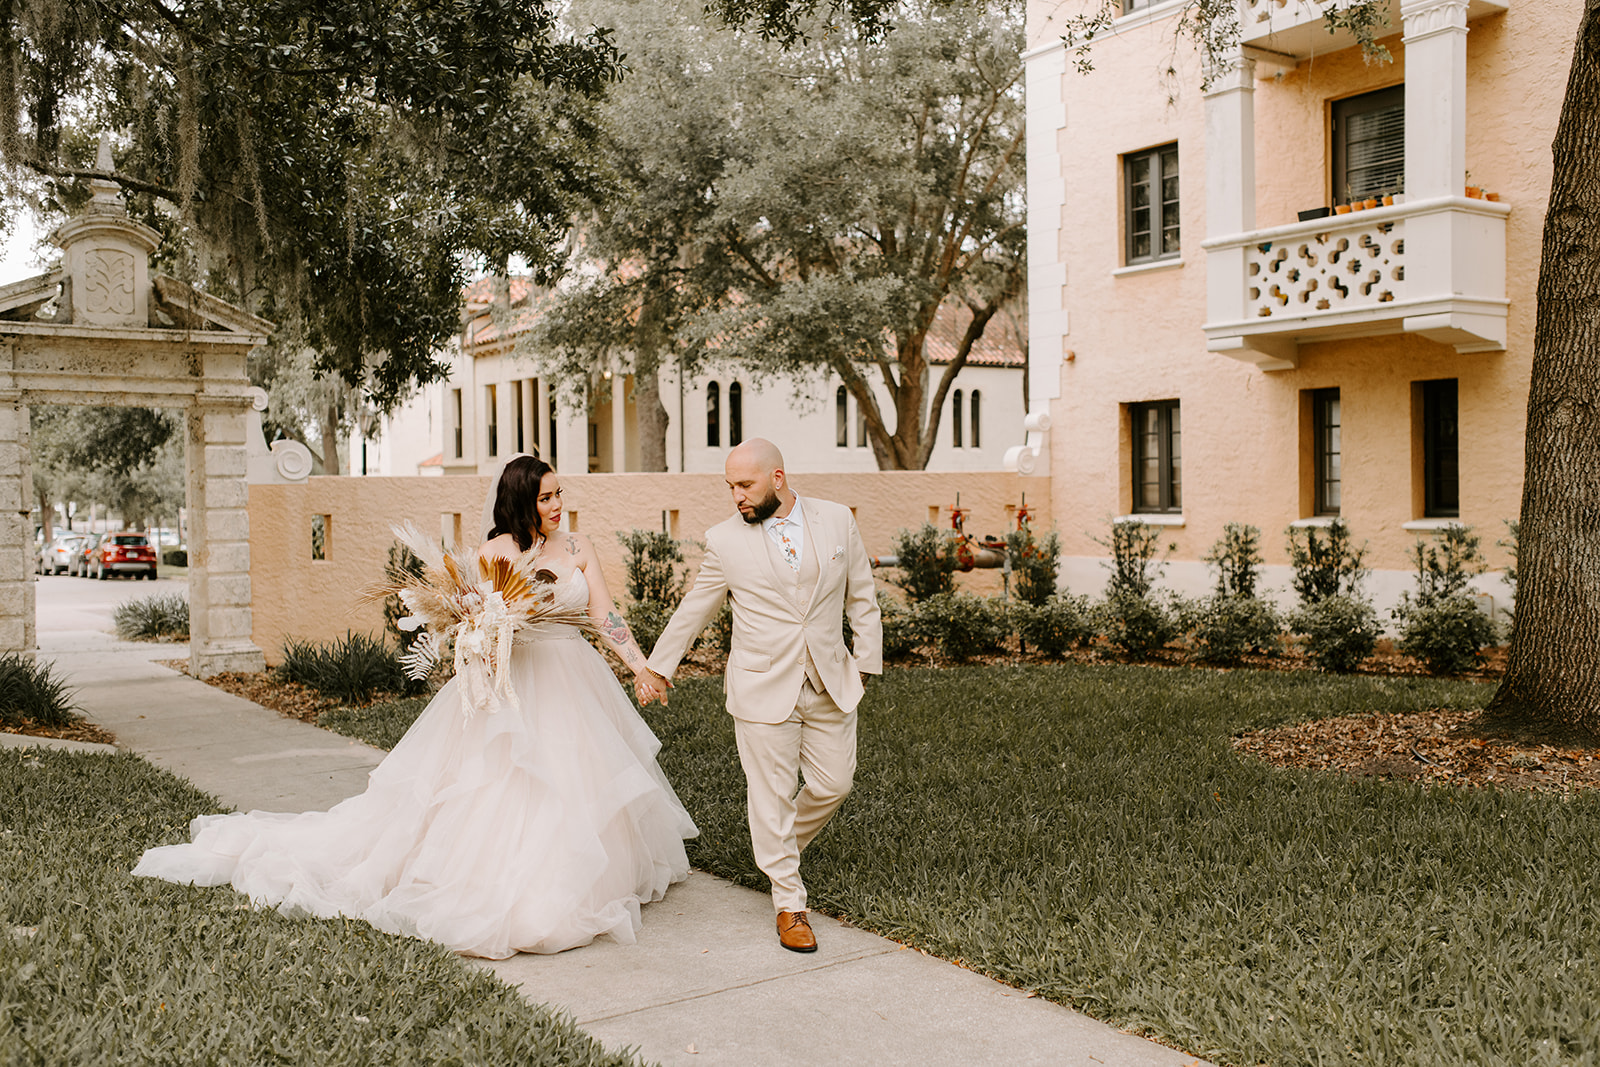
<point>735,413</point>
<point>861,426</point>
<point>713,416</point>
<point>973,402</point>
<point>842,418</point>
<point>955,420</point>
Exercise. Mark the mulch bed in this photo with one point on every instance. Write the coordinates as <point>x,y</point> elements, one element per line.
<point>75,731</point>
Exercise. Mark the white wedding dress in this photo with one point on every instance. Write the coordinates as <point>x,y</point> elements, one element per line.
<point>533,829</point>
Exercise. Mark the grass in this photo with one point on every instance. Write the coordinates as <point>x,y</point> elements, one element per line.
<point>381,724</point>
<point>96,966</point>
<point>152,618</point>
<point>30,691</point>
<point>1087,832</point>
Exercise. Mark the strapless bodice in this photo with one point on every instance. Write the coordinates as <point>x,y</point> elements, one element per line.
<point>571,593</point>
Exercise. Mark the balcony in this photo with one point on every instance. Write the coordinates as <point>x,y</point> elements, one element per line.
<point>1435,268</point>
<point>1287,32</point>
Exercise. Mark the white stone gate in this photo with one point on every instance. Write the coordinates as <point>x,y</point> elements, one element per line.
<point>120,336</point>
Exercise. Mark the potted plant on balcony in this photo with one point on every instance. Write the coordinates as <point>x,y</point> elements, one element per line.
<point>1474,192</point>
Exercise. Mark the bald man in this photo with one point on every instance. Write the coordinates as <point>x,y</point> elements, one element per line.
<point>794,568</point>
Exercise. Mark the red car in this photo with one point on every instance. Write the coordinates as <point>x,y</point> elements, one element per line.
<point>124,553</point>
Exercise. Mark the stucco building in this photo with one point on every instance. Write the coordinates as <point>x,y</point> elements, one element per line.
<point>1214,341</point>
<point>495,403</point>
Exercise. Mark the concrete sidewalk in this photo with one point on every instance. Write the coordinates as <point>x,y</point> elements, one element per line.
<point>707,984</point>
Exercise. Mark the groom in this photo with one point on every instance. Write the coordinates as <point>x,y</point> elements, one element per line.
<point>794,568</point>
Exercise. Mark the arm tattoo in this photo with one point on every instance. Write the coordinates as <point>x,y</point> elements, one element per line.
<point>616,629</point>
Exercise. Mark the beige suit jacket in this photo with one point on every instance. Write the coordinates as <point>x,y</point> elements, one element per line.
<point>773,632</point>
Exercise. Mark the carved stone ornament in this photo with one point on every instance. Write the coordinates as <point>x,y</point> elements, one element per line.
<point>108,282</point>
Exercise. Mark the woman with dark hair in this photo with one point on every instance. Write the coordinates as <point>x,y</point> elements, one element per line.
<point>533,828</point>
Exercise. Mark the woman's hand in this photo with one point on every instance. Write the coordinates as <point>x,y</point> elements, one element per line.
<point>649,686</point>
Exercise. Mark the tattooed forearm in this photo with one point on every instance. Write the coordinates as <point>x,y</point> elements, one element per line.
<point>616,629</point>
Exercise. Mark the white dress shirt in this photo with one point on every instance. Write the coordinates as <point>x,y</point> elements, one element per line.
<point>789,527</point>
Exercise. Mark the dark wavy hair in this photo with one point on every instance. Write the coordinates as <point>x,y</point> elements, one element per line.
<point>516,505</point>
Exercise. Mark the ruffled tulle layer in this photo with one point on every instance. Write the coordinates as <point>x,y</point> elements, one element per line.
<point>533,829</point>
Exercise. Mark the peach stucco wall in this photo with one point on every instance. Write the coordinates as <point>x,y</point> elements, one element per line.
<point>1136,336</point>
<point>296,596</point>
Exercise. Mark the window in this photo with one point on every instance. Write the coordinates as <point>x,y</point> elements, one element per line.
<point>955,420</point>
<point>455,403</point>
<point>1441,484</point>
<point>533,406</point>
<point>1157,457</point>
<point>972,402</point>
<point>516,399</point>
<point>713,416</point>
<point>1151,197</point>
<point>861,425</point>
<point>493,419</point>
<point>841,418</point>
<point>1130,6</point>
<point>1326,450</point>
<point>735,413</point>
<point>1369,144</point>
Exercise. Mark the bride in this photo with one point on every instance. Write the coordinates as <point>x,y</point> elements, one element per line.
<point>532,829</point>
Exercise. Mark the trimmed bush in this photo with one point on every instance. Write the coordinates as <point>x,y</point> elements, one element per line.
<point>959,625</point>
<point>1237,559</point>
<point>1034,564</point>
<point>1222,629</point>
<point>900,633</point>
<point>1134,567</point>
<point>1134,624</point>
<point>1326,562</point>
<point>1448,635</point>
<point>653,566</point>
<point>647,619</point>
<point>1061,622</point>
<point>30,692</point>
<point>175,557</point>
<point>351,669</point>
<point>1339,631</point>
<point>925,562</point>
<point>151,618</point>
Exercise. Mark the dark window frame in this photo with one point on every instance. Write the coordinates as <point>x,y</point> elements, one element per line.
<point>1389,174</point>
<point>491,399</point>
<point>713,415</point>
<point>1327,490</point>
<point>1441,448</point>
<point>1158,205</point>
<point>841,418</point>
<point>955,420</point>
<point>974,400</point>
<point>1169,457</point>
<point>460,434</point>
<point>735,413</point>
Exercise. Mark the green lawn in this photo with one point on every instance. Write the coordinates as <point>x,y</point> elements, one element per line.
<point>1087,832</point>
<point>98,967</point>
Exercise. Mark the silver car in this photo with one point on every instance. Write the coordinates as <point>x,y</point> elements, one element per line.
<point>57,556</point>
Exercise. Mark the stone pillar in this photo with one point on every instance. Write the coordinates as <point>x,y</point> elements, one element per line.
<point>1231,147</point>
<point>619,422</point>
<point>1436,98</point>
<point>219,542</point>
<point>17,632</point>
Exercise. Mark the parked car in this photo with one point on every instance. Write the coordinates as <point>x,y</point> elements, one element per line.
<point>56,557</point>
<point>125,553</point>
<point>83,556</point>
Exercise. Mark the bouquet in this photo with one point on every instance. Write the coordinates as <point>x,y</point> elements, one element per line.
<point>476,607</point>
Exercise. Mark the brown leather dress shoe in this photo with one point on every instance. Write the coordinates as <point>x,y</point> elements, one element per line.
<point>794,932</point>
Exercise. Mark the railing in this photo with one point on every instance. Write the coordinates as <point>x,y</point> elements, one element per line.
<point>1358,264</point>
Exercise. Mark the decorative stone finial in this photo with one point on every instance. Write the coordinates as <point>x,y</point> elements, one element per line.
<point>107,198</point>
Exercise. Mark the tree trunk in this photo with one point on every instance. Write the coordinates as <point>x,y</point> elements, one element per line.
<point>1552,680</point>
<point>330,439</point>
<point>45,517</point>
<point>651,412</point>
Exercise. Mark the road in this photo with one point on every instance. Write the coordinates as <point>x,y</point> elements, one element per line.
<point>75,613</point>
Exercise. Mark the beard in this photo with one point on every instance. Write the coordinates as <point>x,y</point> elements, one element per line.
<point>762,510</point>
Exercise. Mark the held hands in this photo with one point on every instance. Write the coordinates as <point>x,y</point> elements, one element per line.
<point>649,686</point>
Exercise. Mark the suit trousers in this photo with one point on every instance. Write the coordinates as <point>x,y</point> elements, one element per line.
<point>818,737</point>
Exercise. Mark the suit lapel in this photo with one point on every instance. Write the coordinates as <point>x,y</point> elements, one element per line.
<point>813,542</point>
<point>757,540</point>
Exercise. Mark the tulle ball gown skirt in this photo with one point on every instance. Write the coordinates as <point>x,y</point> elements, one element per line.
<point>534,829</point>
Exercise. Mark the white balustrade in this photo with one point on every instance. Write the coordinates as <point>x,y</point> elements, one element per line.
<point>1353,263</point>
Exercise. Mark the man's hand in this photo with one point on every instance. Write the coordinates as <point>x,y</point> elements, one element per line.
<point>650,686</point>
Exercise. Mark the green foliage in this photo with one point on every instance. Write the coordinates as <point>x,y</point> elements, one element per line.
<point>129,460</point>
<point>1034,564</point>
<point>926,564</point>
<point>1326,563</point>
<point>31,692</point>
<point>1339,631</point>
<point>1237,559</point>
<point>1222,628</point>
<point>1135,625</point>
<point>900,633</point>
<point>788,21</point>
<point>1088,833</point>
<point>1063,621</point>
<point>1134,567</point>
<point>647,618</point>
<point>351,668</point>
<point>338,166</point>
<point>402,565</point>
<point>1445,567</point>
<point>151,618</point>
<point>653,567</point>
<point>1448,633</point>
<point>144,971</point>
<point>959,625</point>
<point>718,633</point>
<point>823,226</point>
